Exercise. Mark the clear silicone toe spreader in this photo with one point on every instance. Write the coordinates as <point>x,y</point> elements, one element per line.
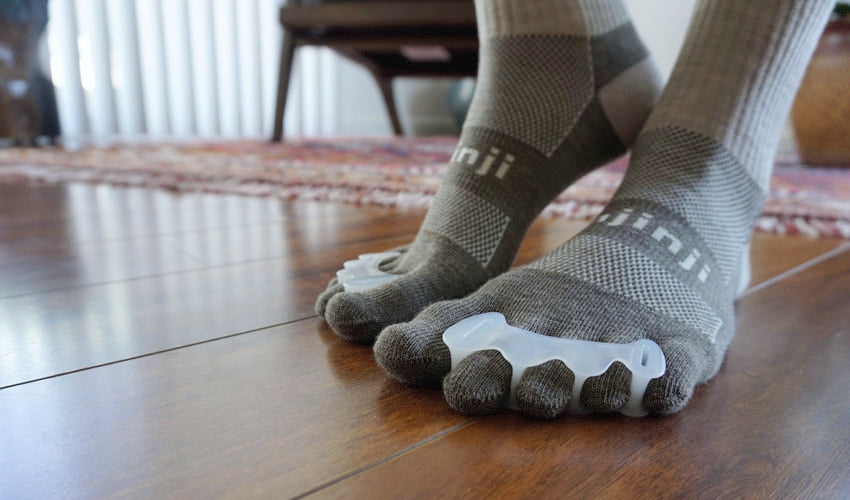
<point>362,274</point>
<point>522,349</point>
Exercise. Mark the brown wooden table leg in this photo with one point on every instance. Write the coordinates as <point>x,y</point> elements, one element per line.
<point>386,85</point>
<point>287,53</point>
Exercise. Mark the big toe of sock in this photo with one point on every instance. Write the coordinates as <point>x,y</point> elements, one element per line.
<point>413,353</point>
<point>333,288</point>
<point>479,384</point>
<point>353,316</point>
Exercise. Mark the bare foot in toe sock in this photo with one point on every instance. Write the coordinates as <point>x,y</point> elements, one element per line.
<point>554,100</point>
<point>666,258</point>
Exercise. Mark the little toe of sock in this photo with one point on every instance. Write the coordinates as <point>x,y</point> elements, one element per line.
<point>413,353</point>
<point>544,390</point>
<point>609,391</point>
<point>670,393</point>
<point>479,384</point>
<point>322,302</point>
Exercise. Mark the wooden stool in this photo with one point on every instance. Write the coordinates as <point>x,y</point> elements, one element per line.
<point>436,38</point>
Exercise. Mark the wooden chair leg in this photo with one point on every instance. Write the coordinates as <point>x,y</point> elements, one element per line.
<point>386,85</point>
<point>287,52</point>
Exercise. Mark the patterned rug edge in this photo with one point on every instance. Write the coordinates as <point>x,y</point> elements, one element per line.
<point>778,223</point>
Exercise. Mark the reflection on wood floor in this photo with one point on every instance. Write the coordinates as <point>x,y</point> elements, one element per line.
<point>155,344</point>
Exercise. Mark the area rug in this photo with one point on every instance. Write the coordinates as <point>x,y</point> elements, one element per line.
<point>403,172</point>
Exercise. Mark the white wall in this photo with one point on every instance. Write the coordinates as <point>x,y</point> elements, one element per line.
<point>422,104</point>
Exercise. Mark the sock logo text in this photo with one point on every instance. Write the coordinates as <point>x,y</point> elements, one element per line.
<point>494,156</point>
<point>660,234</point>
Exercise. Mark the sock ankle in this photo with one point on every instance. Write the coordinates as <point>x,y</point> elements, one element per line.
<point>560,92</point>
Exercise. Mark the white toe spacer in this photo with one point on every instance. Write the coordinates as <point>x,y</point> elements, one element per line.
<point>362,274</point>
<point>522,349</point>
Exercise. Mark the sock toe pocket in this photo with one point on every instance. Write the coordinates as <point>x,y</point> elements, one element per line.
<point>544,390</point>
<point>413,353</point>
<point>322,301</point>
<point>479,384</point>
<point>351,316</point>
<point>609,391</point>
<point>670,393</point>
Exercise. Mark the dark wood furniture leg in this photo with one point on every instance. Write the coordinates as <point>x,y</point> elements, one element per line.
<point>385,83</point>
<point>375,34</point>
<point>287,53</point>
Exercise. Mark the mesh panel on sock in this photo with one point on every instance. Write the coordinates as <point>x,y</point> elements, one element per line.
<point>532,87</point>
<point>467,220</point>
<point>699,179</point>
<point>618,268</point>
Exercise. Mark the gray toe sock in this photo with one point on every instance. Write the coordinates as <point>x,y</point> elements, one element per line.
<point>553,101</point>
<point>475,395</point>
<point>665,258</point>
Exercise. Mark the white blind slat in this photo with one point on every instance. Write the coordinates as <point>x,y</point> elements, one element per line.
<point>204,68</point>
<point>151,52</point>
<point>95,66</point>
<point>182,69</point>
<point>65,68</point>
<point>226,66</point>
<point>250,91</point>
<point>126,73</point>
<point>181,104</point>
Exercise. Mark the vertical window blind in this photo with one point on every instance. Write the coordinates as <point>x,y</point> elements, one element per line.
<point>137,69</point>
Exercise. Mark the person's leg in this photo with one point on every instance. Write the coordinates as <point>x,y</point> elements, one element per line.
<point>563,87</point>
<point>665,258</point>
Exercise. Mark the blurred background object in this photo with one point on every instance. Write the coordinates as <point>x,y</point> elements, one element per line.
<point>184,69</point>
<point>821,113</point>
<point>390,39</point>
<point>27,102</point>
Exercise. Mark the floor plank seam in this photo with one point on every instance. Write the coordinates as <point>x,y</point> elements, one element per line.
<point>107,282</point>
<point>154,353</point>
<point>797,269</point>
<point>392,456</point>
<point>146,235</point>
<point>206,267</point>
<point>191,255</point>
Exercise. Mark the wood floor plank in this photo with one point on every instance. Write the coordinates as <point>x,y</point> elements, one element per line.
<point>55,332</point>
<point>269,414</point>
<point>221,246</point>
<point>82,213</point>
<point>773,254</point>
<point>47,244</point>
<point>106,233</point>
<point>772,424</point>
<point>56,267</point>
<point>92,212</point>
<point>48,267</point>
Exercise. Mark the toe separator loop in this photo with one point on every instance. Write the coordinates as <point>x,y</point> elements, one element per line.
<point>522,349</point>
<point>363,274</point>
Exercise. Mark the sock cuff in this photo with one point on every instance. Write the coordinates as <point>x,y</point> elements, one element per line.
<point>552,17</point>
<point>738,72</point>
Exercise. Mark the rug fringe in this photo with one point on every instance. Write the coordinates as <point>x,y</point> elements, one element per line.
<point>343,182</point>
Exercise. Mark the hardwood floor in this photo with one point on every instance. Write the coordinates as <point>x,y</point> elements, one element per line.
<point>154,345</point>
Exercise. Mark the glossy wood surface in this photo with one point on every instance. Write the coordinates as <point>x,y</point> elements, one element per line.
<point>154,345</point>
